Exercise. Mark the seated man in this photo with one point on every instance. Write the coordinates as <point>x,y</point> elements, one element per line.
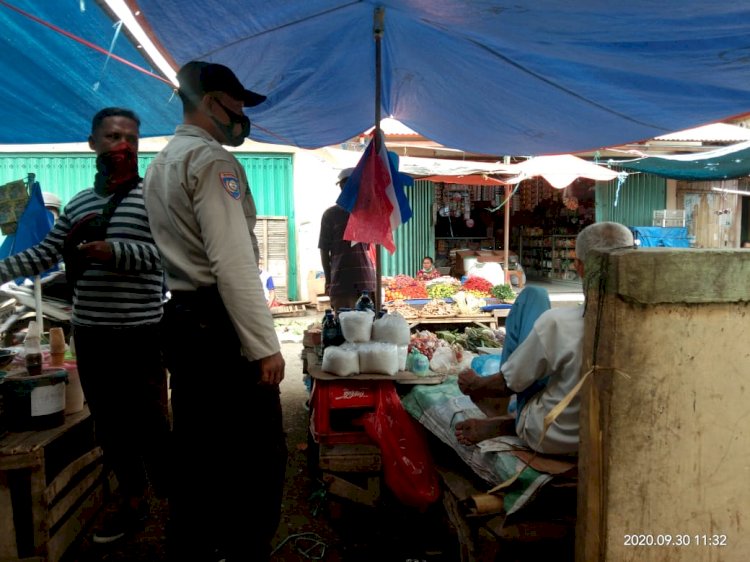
<point>553,351</point>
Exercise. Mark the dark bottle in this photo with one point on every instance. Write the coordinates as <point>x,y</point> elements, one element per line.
<point>33,349</point>
<point>330,331</point>
<point>365,302</point>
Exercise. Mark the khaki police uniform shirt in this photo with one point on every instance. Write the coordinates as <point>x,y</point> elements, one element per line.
<point>202,216</point>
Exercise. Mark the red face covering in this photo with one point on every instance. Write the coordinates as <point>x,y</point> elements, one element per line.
<point>117,167</point>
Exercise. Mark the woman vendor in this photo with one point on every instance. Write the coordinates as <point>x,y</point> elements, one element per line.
<point>428,271</point>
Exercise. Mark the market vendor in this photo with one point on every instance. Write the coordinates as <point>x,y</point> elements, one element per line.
<point>428,271</point>
<point>552,349</point>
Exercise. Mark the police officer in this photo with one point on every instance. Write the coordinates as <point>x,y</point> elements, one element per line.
<point>221,347</point>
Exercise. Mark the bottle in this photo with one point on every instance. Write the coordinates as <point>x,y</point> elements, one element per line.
<point>365,302</point>
<point>56,347</point>
<point>329,333</point>
<point>32,345</point>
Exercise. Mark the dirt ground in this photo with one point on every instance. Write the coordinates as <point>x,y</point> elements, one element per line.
<point>314,526</point>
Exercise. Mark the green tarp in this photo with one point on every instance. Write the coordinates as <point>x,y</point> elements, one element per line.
<point>726,163</point>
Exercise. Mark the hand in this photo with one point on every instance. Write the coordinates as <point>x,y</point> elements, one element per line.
<point>98,251</point>
<point>272,369</point>
<point>468,381</point>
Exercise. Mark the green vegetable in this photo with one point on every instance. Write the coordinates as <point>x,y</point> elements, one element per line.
<point>503,292</point>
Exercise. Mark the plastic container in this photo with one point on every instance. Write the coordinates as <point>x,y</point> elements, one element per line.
<point>34,402</point>
<point>74,397</point>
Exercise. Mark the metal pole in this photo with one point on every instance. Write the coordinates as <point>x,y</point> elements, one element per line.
<point>377,30</point>
<point>506,228</point>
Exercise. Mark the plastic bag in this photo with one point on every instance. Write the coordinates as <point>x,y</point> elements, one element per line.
<point>378,357</point>
<point>486,365</point>
<point>444,361</point>
<point>408,469</point>
<point>340,361</point>
<point>356,325</point>
<point>391,328</point>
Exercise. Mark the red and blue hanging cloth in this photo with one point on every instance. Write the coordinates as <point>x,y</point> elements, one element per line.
<point>375,198</point>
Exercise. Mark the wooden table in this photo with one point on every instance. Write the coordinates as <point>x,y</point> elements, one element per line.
<point>51,485</point>
<point>488,320</point>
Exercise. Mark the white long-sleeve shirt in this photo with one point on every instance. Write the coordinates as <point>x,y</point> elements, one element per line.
<point>554,348</point>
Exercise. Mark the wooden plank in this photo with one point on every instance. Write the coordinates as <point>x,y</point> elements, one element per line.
<point>401,377</point>
<point>350,457</point>
<point>345,489</point>
<point>69,472</point>
<point>75,524</point>
<point>38,505</point>
<point>63,505</point>
<point>8,546</point>
<point>463,529</point>
<point>19,443</point>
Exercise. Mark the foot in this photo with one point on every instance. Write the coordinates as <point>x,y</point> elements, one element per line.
<point>470,432</point>
<point>117,524</point>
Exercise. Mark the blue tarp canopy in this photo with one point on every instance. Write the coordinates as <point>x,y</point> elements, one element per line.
<point>723,164</point>
<point>49,92</point>
<point>495,77</point>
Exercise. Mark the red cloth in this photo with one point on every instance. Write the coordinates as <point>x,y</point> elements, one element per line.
<point>370,219</point>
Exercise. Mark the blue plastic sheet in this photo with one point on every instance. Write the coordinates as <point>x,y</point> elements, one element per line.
<point>661,236</point>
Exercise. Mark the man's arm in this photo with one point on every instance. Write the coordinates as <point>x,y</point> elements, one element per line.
<point>37,259</point>
<point>233,263</point>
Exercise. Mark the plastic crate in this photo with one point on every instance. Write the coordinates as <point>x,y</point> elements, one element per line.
<point>669,217</point>
<point>337,408</point>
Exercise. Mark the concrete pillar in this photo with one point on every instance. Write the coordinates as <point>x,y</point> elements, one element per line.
<point>665,414</point>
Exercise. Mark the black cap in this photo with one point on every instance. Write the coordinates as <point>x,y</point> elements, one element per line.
<point>197,78</point>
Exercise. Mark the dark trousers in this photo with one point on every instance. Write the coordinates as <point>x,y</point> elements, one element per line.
<point>124,381</point>
<point>230,448</point>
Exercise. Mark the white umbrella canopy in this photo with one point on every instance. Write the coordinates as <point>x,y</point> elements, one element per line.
<point>559,170</point>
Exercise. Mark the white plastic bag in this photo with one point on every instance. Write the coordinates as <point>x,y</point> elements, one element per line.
<point>444,361</point>
<point>356,325</point>
<point>377,357</point>
<point>403,353</point>
<point>391,328</point>
<point>340,361</point>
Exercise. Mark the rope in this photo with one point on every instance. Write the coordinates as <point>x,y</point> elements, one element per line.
<point>305,544</point>
<point>84,42</point>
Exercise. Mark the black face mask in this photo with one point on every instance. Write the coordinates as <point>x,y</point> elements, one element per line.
<point>234,119</point>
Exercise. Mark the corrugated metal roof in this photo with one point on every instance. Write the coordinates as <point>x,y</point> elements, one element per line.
<point>715,132</point>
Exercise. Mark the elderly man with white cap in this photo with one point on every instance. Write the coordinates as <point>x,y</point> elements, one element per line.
<point>348,268</point>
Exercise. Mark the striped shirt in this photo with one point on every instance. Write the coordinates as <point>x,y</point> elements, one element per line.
<point>126,292</point>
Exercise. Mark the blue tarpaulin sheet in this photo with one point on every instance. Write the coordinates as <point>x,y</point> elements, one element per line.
<point>490,76</point>
<point>661,236</point>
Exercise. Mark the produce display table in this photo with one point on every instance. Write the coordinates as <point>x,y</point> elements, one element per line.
<point>485,320</point>
<point>51,485</point>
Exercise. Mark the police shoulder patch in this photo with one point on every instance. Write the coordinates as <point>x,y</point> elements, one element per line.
<point>231,184</point>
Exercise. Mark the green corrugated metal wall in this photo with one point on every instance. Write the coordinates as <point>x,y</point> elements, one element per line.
<point>414,239</point>
<point>270,177</point>
<point>640,195</point>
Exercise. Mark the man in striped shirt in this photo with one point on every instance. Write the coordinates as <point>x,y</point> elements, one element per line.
<point>117,308</point>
